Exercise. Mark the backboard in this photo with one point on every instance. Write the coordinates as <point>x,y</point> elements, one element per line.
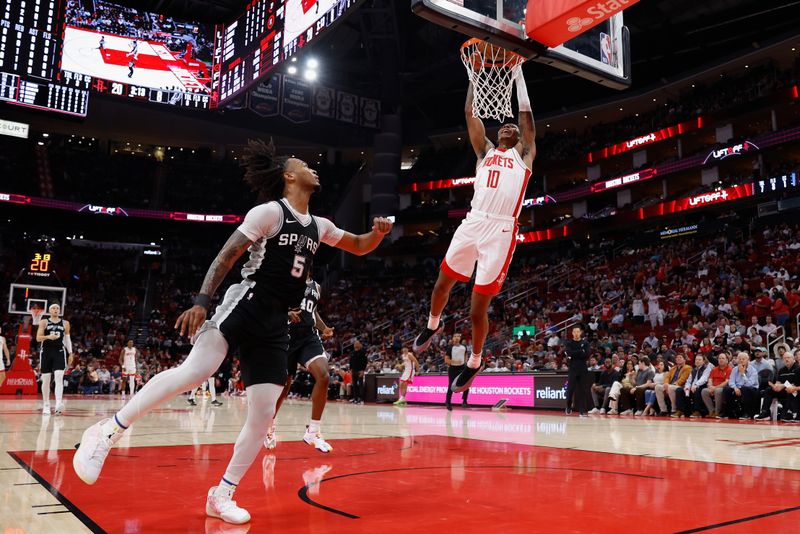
<point>600,54</point>
<point>23,297</point>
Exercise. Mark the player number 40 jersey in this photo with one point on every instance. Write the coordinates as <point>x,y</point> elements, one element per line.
<point>500,183</point>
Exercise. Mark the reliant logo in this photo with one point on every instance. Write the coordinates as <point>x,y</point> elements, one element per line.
<point>709,198</point>
<point>387,390</point>
<point>553,394</point>
<point>645,139</point>
<point>599,11</point>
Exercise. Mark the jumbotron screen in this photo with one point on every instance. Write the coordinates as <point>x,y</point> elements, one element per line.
<point>268,33</point>
<point>136,54</point>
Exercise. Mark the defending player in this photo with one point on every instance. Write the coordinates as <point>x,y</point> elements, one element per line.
<point>488,234</point>
<point>282,237</point>
<point>128,361</point>
<point>305,349</point>
<point>53,334</point>
<point>410,365</point>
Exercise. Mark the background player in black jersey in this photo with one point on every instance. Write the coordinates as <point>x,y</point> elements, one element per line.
<point>305,349</point>
<point>282,238</point>
<point>53,334</point>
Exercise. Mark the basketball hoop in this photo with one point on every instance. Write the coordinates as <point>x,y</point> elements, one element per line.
<point>36,316</point>
<point>492,71</point>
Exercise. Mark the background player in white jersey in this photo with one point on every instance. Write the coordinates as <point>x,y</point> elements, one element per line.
<point>282,237</point>
<point>53,334</point>
<point>134,53</point>
<point>410,365</point>
<point>306,350</point>
<point>488,234</point>
<point>5,359</point>
<point>127,359</point>
<point>212,389</point>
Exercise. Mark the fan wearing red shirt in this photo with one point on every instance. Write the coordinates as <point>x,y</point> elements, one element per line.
<point>781,311</point>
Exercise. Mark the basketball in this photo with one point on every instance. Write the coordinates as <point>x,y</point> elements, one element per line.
<point>469,266</point>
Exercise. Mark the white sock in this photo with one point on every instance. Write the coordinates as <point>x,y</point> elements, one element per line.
<point>313,427</point>
<point>271,428</point>
<point>59,378</point>
<point>433,322</point>
<point>206,356</point>
<point>46,377</point>
<point>261,401</point>
<point>225,488</point>
<point>474,361</point>
<point>212,388</point>
<point>112,427</point>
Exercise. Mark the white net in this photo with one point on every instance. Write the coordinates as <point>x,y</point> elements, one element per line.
<point>492,71</point>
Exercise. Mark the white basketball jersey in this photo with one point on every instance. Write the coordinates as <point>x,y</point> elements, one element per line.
<point>129,358</point>
<point>500,182</point>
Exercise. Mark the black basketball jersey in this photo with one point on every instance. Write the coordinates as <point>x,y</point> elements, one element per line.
<point>279,264</point>
<point>56,345</point>
<point>308,308</point>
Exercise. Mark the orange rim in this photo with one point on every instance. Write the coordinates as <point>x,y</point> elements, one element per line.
<point>509,58</point>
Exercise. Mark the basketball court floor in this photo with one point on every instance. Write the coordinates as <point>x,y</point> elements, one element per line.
<point>419,469</point>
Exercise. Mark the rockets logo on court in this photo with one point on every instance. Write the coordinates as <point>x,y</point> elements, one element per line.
<point>576,24</point>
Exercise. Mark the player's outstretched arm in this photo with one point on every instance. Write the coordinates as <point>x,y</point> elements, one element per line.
<point>190,320</point>
<point>526,124</point>
<point>366,243</point>
<point>475,129</point>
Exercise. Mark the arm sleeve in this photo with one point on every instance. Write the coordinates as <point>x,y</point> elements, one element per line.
<point>68,344</point>
<point>263,220</point>
<point>329,233</point>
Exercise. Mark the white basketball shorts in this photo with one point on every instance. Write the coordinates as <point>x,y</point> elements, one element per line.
<point>490,241</point>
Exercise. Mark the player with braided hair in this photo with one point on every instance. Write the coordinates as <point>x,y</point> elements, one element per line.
<point>282,238</point>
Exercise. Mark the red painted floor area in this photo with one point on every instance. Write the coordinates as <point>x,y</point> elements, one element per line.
<point>424,484</point>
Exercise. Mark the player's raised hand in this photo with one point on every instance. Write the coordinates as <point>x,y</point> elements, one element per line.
<point>381,225</point>
<point>189,321</point>
<point>327,333</point>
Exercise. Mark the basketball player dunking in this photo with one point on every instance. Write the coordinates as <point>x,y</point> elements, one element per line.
<point>305,348</point>
<point>128,361</point>
<point>282,237</point>
<point>488,234</point>
<point>53,334</point>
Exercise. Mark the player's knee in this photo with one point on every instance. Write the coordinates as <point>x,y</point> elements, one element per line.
<point>478,315</point>
<point>323,380</point>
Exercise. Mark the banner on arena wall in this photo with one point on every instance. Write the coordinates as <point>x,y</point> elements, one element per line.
<point>296,99</point>
<point>486,390</point>
<point>346,107</point>
<point>386,388</point>
<point>265,97</point>
<point>324,102</point>
<point>370,112</point>
<point>550,392</point>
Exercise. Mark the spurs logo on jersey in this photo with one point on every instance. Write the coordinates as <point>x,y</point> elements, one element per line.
<point>500,183</point>
<point>290,255</point>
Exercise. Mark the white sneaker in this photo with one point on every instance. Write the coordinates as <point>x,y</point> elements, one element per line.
<point>59,408</point>
<point>46,409</point>
<point>225,508</point>
<point>317,441</point>
<point>638,413</point>
<point>602,411</point>
<point>613,412</point>
<point>271,441</point>
<point>92,451</point>
<point>593,411</point>
<point>627,412</point>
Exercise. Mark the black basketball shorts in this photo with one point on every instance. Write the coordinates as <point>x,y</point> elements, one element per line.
<point>304,347</point>
<point>53,360</point>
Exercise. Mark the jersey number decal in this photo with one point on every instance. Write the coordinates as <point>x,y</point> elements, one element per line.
<point>493,179</point>
<point>299,266</point>
<point>307,305</point>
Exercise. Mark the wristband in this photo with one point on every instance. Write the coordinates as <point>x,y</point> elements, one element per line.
<point>202,300</point>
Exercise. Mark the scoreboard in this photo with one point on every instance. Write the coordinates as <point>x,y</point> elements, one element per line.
<point>266,34</point>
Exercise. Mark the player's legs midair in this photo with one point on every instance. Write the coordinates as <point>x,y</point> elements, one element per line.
<point>440,295</point>
<point>479,315</point>
<point>205,357</point>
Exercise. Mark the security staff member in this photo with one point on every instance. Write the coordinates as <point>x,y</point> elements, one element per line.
<point>456,360</point>
<point>578,379</point>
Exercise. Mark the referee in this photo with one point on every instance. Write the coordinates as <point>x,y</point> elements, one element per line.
<point>455,358</point>
<point>578,378</point>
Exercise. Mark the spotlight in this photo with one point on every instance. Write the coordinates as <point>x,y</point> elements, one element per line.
<point>310,75</point>
<point>312,63</point>
<point>292,69</point>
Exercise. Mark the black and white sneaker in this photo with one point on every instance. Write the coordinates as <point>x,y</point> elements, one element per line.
<point>216,403</point>
<point>763,416</point>
<point>465,378</point>
<point>191,401</point>
<point>423,340</point>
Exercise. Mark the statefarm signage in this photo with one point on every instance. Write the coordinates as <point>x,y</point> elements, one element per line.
<point>562,20</point>
<point>619,181</point>
<point>733,150</point>
<point>652,137</point>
